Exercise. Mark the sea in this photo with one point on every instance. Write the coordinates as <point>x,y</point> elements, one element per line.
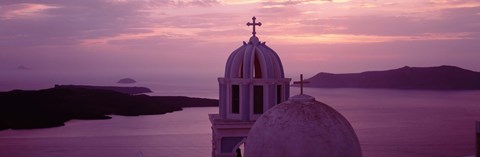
<point>388,123</point>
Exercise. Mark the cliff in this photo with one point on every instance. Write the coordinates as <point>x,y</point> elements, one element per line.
<point>432,78</point>
<point>52,107</point>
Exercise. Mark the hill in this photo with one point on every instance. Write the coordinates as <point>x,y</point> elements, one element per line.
<point>20,109</point>
<point>432,78</point>
<point>126,90</point>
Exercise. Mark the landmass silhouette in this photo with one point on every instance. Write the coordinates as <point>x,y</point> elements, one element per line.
<point>430,78</point>
<point>28,109</point>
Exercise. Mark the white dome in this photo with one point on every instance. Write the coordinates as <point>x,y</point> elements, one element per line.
<point>301,127</point>
<point>254,60</point>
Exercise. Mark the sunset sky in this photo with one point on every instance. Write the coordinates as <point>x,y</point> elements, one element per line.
<point>190,39</point>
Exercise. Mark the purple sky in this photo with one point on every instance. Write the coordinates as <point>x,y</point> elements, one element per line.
<point>192,39</point>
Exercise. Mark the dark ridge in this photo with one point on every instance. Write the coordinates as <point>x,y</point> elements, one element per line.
<point>20,109</point>
<point>430,78</point>
<point>125,90</point>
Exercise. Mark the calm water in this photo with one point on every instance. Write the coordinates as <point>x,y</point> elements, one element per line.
<point>393,123</point>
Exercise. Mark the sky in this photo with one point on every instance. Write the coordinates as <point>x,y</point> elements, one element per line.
<point>63,40</point>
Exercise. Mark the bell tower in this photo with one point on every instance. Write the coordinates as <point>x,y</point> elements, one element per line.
<point>254,82</point>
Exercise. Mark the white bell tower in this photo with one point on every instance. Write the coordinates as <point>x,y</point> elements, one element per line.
<point>254,82</point>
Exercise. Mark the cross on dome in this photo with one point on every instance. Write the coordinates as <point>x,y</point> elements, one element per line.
<point>301,82</point>
<point>254,24</point>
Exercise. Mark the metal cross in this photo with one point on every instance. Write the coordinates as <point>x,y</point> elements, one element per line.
<point>301,82</point>
<point>254,24</point>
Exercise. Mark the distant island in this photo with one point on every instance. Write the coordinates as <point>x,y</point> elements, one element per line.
<point>22,109</point>
<point>429,78</point>
<point>126,81</point>
<point>22,67</point>
<point>125,90</point>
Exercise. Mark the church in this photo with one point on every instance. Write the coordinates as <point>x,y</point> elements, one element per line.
<point>255,110</point>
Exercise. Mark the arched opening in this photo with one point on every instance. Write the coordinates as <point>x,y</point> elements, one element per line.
<point>229,145</point>
<point>279,94</point>
<point>239,149</point>
<point>240,74</point>
<point>257,68</point>
<point>258,99</point>
<point>235,99</point>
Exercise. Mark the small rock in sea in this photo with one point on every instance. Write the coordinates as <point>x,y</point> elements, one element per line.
<point>126,80</point>
<point>22,67</point>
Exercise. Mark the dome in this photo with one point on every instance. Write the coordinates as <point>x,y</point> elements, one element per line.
<point>254,60</point>
<point>302,126</point>
<point>253,82</point>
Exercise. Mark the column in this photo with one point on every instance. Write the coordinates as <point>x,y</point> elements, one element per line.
<point>478,139</point>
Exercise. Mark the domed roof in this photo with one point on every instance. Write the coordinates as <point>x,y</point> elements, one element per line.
<point>254,58</point>
<point>302,126</point>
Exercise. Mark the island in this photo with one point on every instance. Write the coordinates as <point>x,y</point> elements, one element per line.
<point>126,81</point>
<point>28,109</point>
<point>126,90</point>
<point>429,78</point>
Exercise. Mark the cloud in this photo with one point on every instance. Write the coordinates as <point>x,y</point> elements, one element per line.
<point>22,10</point>
<point>68,22</point>
<point>72,22</point>
<point>157,41</point>
<point>357,39</point>
<point>203,3</point>
<point>450,21</point>
<point>165,33</point>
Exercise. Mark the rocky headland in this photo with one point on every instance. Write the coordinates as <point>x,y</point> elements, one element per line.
<point>28,109</point>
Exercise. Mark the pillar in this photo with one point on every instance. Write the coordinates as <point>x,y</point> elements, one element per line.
<point>478,139</point>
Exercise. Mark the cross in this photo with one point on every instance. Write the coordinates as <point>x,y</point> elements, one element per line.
<point>301,82</point>
<point>254,24</point>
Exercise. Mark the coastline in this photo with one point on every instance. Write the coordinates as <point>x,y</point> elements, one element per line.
<point>30,109</point>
